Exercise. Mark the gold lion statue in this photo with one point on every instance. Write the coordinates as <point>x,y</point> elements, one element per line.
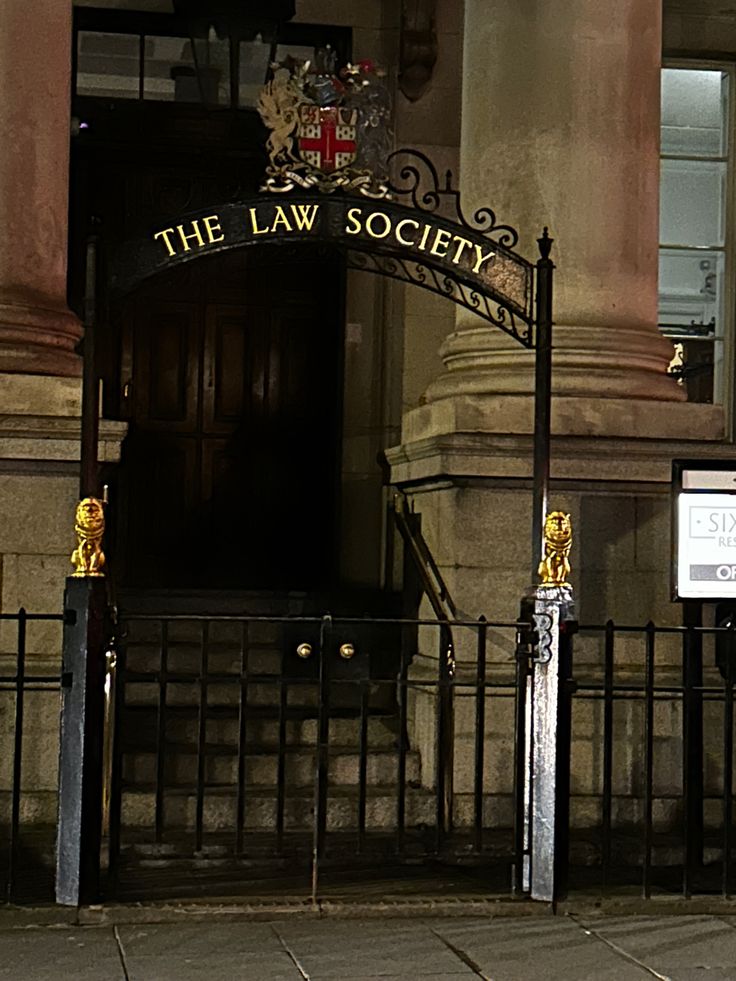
<point>555,566</point>
<point>88,558</point>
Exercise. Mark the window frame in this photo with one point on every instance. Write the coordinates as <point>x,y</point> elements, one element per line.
<point>728,331</point>
<point>149,24</point>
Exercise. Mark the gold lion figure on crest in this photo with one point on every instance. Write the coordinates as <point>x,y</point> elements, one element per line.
<point>555,566</point>
<point>88,558</point>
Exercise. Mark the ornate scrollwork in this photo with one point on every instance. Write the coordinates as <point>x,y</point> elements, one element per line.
<point>283,179</point>
<point>418,182</point>
<point>544,623</point>
<point>494,312</point>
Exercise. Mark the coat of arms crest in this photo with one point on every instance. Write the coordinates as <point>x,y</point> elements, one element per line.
<point>327,136</point>
<point>328,130</point>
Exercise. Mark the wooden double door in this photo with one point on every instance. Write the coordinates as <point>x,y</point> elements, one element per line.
<point>231,379</point>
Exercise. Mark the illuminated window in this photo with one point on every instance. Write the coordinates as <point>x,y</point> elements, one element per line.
<point>123,54</point>
<point>695,299</point>
<point>108,65</point>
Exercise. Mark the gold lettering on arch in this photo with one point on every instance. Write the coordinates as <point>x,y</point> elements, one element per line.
<point>409,233</point>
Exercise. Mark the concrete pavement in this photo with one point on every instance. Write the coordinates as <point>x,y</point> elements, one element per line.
<point>293,948</point>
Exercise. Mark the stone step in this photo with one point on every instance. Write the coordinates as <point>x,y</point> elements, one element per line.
<point>218,694</point>
<point>216,630</point>
<point>139,728</point>
<point>221,767</point>
<point>265,854</point>
<point>263,646</point>
<point>219,812</point>
<point>264,691</point>
<point>218,602</point>
<point>186,659</point>
<point>219,635</point>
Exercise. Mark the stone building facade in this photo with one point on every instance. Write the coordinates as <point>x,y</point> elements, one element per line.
<point>549,112</point>
<point>449,401</point>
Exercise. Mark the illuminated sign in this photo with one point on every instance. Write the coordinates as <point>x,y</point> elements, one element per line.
<point>705,530</point>
<point>454,252</point>
<point>420,238</point>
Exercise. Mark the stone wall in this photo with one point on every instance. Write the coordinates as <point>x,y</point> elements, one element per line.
<point>470,484</point>
<point>39,487</point>
<point>479,533</point>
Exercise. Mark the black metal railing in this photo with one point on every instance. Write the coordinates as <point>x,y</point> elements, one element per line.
<point>308,746</point>
<point>652,758</point>
<point>29,705</point>
<point>301,754</point>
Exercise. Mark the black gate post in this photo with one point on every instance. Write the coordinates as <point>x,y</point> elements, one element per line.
<point>692,739</point>
<point>322,759</point>
<point>525,648</point>
<point>88,476</point>
<point>542,396</point>
<point>79,828</point>
<point>445,733</point>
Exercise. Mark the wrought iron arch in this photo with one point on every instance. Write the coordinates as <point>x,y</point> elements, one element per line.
<point>427,277</point>
<point>469,261</point>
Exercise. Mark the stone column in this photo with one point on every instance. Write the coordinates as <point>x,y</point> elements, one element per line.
<point>560,127</point>
<point>37,330</point>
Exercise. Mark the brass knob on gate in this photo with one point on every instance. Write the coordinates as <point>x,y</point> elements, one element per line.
<point>347,651</point>
<point>304,650</point>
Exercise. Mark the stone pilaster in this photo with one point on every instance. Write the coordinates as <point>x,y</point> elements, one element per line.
<point>37,330</point>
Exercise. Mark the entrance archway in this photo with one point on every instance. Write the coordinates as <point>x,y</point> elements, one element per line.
<point>475,268</point>
<point>420,235</point>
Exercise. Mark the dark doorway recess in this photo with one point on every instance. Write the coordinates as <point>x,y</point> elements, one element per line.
<point>230,377</point>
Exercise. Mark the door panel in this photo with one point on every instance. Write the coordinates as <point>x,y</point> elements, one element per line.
<point>166,366</point>
<point>162,505</point>
<point>226,381</point>
<point>235,419</point>
<point>233,364</point>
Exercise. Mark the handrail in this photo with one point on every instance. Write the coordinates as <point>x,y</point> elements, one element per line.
<point>444,608</point>
<point>434,585</point>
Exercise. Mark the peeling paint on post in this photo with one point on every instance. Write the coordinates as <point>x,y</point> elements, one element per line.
<point>547,774</point>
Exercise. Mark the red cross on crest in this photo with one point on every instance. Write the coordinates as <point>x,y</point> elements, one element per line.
<point>327,136</point>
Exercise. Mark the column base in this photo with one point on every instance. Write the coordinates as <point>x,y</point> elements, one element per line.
<point>38,337</point>
<point>609,362</point>
<point>500,416</point>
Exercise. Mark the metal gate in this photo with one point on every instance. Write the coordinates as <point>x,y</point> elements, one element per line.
<point>306,754</point>
<point>247,763</point>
